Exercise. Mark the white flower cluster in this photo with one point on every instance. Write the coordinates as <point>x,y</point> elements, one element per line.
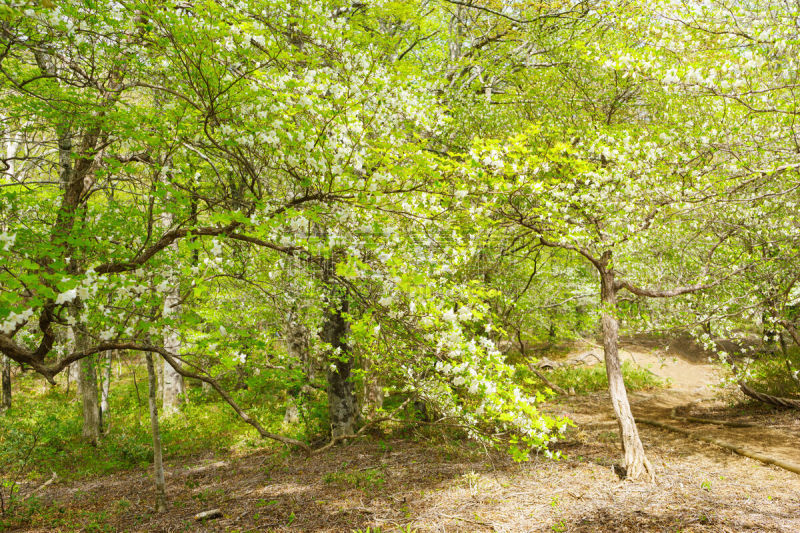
<point>84,291</point>
<point>8,240</point>
<point>14,320</point>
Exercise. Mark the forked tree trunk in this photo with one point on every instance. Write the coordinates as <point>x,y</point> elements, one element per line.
<point>342,404</point>
<point>158,461</point>
<point>5,402</point>
<point>636,463</point>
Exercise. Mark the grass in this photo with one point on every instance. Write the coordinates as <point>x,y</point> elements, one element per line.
<point>593,379</point>
<point>367,480</point>
<point>584,380</point>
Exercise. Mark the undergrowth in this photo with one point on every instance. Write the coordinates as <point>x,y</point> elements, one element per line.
<point>204,424</point>
<point>770,374</point>
<point>583,379</point>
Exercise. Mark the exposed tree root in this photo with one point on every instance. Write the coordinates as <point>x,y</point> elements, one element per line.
<point>777,401</point>
<point>791,467</point>
<point>713,421</point>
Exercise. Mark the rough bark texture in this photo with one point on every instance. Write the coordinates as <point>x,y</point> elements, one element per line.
<point>87,387</point>
<point>158,463</point>
<point>173,385</point>
<point>92,421</point>
<point>298,346</point>
<point>342,404</point>
<point>373,389</point>
<point>777,401</point>
<point>74,371</point>
<point>5,402</point>
<point>636,463</point>
<point>292,414</point>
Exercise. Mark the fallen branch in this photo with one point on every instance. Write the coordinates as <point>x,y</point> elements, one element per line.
<point>533,369</point>
<point>169,358</point>
<point>208,515</point>
<point>44,485</point>
<point>546,381</point>
<point>791,467</point>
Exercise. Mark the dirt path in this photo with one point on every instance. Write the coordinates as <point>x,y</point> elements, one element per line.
<point>418,480</point>
<point>694,388</point>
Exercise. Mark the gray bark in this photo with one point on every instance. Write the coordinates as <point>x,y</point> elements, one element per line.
<point>158,461</point>
<point>636,463</point>
<point>106,386</point>
<point>292,414</point>
<point>173,388</point>
<point>172,385</point>
<point>74,372</point>
<point>87,386</point>
<point>298,345</point>
<point>92,421</point>
<point>373,389</point>
<point>342,404</point>
<point>5,403</point>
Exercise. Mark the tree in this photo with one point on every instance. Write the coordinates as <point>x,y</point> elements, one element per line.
<point>5,401</point>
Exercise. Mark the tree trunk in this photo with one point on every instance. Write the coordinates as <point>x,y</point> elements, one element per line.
<point>173,385</point>
<point>297,345</point>
<point>636,462</point>
<point>342,404</point>
<point>92,421</point>
<point>106,386</point>
<point>87,386</point>
<point>74,370</point>
<point>6,394</point>
<point>373,389</point>
<point>158,462</point>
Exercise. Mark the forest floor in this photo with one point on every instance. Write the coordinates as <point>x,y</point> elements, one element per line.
<point>426,482</point>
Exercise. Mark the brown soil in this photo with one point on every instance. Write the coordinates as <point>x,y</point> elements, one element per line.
<point>431,484</point>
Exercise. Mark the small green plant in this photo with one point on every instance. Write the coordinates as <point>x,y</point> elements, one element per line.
<point>123,504</point>
<point>559,526</point>
<point>706,485</point>
<point>554,501</point>
<point>607,436</point>
<point>97,522</point>
<point>367,479</point>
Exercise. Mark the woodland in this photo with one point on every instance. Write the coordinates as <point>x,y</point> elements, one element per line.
<point>399,265</point>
